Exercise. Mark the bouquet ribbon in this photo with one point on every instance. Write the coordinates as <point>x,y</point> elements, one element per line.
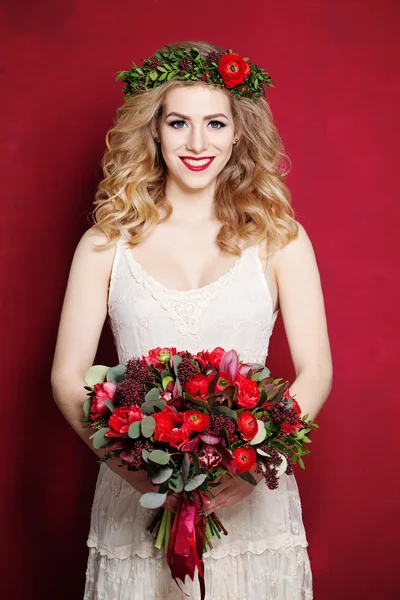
<point>186,542</point>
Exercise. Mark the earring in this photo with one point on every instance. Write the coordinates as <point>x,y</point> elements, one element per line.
<point>236,141</point>
<point>156,139</point>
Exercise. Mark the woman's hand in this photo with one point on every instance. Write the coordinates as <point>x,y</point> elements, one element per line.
<point>231,490</point>
<point>143,484</point>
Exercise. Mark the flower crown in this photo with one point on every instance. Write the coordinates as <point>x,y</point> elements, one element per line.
<point>225,69</point>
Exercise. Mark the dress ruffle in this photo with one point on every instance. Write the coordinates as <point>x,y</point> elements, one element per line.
<point>265,551</point>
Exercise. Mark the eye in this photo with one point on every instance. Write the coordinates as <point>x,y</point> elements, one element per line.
<point>218,123</point>
<point>173,123</point>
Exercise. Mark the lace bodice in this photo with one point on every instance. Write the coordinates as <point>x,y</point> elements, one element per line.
<point>234,311</point>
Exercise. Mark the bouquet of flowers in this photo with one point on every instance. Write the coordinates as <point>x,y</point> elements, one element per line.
<point>187,419</point>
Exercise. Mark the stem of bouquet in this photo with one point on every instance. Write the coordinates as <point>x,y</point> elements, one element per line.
<point>162,530</point>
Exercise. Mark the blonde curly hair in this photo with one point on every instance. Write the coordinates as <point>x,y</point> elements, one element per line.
<point>251,200</point>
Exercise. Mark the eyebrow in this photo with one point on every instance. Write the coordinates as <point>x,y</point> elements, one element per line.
<point>206,118</point>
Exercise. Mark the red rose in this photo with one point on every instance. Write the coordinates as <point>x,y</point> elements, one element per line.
<point>247,425</point>
<point>122,418</point>
<point>103,391</point>
<point>248,393</point>
<point>170,427</point>
<point>198,385</point>
<point>245,459</point>
<point>233,69</point>
<point>196,420</point>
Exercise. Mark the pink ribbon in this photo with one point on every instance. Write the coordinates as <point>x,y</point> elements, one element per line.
<point>186,542</point>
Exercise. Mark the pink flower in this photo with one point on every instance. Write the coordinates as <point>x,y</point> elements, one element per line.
<point>103,391</point>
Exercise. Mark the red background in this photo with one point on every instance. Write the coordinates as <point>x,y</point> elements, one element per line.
<point>336,99</point>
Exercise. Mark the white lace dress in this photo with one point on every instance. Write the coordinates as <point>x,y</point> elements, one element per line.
<point>264,557</point>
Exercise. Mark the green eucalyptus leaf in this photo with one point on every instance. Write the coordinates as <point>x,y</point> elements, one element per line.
<point>195,482</point>
<point>162,475</point>
<point>116,374</point>
<point>96,374</point>
<point>185,466</point>
<point>109,405</point>
<point>176,359</point>
<point>145,455</point>
<point>134,430</point>
<point>152,500</point>
<point>148,426</point>
<point>147,408</point>
<point>160,457</point>
<point>99,440</point>
<point>153,394</point>
<point>86,407</point>
<point>176,482</point>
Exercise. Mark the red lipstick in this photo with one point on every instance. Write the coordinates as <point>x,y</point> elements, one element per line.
<point>200,167</point>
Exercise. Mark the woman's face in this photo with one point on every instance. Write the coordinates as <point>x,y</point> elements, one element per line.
<point>197,123</point>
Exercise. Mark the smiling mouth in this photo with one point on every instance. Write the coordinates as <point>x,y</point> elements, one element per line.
<point>197,164</point>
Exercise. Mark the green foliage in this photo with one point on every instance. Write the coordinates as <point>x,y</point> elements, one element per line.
<point>148,425</point>
<point>190,66</point>
<point>159,456</point>
<point>96,374</point>
<point>116,374</point>
<point>134,430</point>
<point>99,440</point>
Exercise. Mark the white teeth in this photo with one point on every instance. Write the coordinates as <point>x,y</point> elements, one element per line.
<point>197,163</point>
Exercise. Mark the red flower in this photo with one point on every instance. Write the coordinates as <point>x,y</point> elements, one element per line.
<point>170,427</point>
<point>103,391</point>
<point>214,357</point>
<point>223,381</point>
<point>122,418</point>
<point>196,420</point>
<point>248,393</point>
<point>288,428</point>
<point>233,69</point>
<point>247,425</point>
<point>245,459</point>
<point>198,385</point>
<point>152,357</point>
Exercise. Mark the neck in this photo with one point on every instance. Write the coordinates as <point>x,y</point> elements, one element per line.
<point>191,205</point>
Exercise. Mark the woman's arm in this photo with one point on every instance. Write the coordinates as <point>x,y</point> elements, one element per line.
<point>302,306</point>
<point>82,318</point>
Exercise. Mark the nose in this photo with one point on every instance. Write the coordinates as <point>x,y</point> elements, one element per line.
<point>197,139</point>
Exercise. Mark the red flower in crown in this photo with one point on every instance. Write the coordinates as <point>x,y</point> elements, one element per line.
<point>233,69</point>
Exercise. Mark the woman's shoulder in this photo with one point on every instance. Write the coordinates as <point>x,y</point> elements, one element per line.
<point>296,250</point>
<point>95,251</point>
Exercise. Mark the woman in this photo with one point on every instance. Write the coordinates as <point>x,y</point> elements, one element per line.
<point>195,246</point>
